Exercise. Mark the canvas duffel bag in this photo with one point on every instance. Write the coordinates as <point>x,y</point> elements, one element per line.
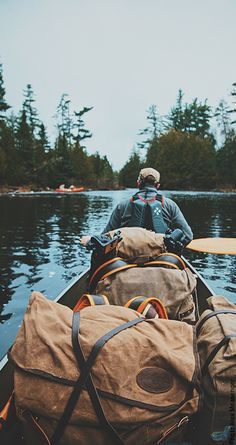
<point>104,376</point>
<point>216,331</point>
<point>138,244</point>
<point>173,287</point>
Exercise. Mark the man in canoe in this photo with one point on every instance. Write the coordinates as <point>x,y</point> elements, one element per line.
<point>148,209</point>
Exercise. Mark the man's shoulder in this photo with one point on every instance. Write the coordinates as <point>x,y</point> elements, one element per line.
<point>167,199</point>
<point>169,203</point>
<point>123,204</point>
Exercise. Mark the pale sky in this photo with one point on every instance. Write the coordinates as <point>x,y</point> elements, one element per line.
<point>120,56</point>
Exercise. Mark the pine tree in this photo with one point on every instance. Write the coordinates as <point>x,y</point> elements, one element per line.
<point>6,135</point>
<point>81,132</point>
<point>3,104</point>
<point>42,147</point>
<point>222,118</point>
<point>233,95</point>
<point>64,119</point>
<point>154,129</point>
<point>192,118</point>
<point>226,161</point>
<point>176,116</point>
<point>29,108</point>
<point>25,150</point>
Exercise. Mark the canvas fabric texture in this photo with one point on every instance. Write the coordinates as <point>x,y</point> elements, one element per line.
<point>145,408</point>
<point>139,245</point>
<point>173,287</point>
<point>219,380</point>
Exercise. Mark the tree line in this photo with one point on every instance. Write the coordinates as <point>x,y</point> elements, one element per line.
<point>28,158</point>
<point>184,146</point>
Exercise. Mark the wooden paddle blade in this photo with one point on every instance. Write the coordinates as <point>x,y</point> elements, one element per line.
<point>223,246</point>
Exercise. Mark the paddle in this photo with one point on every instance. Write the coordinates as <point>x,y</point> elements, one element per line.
<point>224,246</point>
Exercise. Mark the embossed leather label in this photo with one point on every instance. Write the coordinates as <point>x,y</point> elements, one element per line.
<point>155,380</point>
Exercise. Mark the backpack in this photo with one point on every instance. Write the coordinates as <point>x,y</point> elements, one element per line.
<point>147,212</point>
<point>104,375</point>
<point>216,331</point>
<point>166,278</point>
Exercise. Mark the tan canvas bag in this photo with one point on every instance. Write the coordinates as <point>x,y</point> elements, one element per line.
<point>217,349</point>
<point>139,245</point>
<point>173,287</point>
<point>143,373</point>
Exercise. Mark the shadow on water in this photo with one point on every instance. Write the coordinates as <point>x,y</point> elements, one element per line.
<point>40,248</point>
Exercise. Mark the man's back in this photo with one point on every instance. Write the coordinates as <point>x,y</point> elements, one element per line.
<point>171,215</point>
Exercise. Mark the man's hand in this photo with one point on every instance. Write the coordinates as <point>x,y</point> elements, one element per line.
<point>84,240</point>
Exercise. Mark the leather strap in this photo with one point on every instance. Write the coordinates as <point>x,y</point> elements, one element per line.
<point>85,379</point>
<point>213,353</point>
<point>213,314</point>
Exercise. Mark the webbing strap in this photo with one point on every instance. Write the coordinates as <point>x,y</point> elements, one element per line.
<point>147,201</point>
<point>213,353</point>
<point>86,379</point>
<point>213,314</point>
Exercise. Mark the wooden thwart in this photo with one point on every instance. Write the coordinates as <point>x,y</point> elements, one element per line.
<point>224,246</point>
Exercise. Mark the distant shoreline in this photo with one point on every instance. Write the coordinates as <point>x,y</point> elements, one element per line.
<point>5,190</point>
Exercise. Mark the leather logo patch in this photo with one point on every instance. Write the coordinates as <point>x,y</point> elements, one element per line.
<point>155,380</point>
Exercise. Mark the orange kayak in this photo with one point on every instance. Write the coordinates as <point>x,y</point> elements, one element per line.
<point>72,190</point>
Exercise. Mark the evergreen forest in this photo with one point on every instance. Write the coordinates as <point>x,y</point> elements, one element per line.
<point>194,147</point>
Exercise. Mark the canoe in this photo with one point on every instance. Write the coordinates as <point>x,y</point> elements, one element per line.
<point>72,190</point>
<point>69,297</point>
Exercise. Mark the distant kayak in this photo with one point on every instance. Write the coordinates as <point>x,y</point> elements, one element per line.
<point>69,190</point>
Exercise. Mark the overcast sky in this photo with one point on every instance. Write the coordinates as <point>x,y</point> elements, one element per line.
<point>119,56</point>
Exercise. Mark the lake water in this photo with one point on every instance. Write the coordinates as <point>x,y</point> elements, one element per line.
<point>40,248</point>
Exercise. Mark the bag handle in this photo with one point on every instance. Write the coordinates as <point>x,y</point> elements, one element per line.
<point>149,307</point>
<point>90,300</point>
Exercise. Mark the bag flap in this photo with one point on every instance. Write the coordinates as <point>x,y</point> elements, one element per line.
<point>138,244</point>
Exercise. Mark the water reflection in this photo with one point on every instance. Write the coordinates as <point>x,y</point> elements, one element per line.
<point>40,247</point>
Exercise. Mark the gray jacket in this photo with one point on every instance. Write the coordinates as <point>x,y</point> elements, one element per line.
<point>172,216</point>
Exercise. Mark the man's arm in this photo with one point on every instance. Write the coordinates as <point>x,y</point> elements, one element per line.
<point>114,221</point>
<point>177,220</point>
